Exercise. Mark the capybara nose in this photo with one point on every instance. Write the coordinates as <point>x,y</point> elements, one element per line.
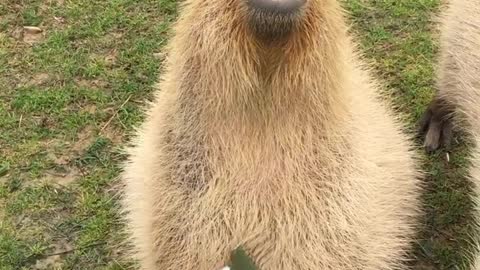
<point>276,6</point>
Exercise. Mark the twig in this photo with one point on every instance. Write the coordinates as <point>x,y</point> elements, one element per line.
<point>115,114</point>
<point>121,123</point>
<point>118,264</point>
<point>71,250</point>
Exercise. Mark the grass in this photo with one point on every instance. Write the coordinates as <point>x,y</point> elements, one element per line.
<point>70,98</point>
<point>400,38</point>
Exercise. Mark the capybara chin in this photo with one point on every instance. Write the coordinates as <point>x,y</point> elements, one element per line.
<point>274,19</point>
<point>267,133</point>
<point>457,101</point>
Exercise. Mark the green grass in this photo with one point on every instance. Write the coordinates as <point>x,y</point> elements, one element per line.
<point>69,101</point>
<point>401,40</point>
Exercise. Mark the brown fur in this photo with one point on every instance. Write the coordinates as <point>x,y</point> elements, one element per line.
<point>459,83</point>
<point>282,147</point>
<point>436,124</point>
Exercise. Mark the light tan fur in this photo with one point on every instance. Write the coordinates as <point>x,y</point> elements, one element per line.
<point>282,147</point>
<point>459,64</point>
<point>459,79</point>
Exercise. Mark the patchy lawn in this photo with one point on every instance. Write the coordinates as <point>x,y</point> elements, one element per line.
<point>71,88</point>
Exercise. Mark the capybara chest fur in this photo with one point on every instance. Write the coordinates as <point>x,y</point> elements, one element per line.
<point>267,133</point>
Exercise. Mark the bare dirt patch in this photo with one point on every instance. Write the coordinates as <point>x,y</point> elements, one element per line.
<point>91,83</point>
<point>54,259</point>
<point>32,34</point>
<point>90,108</point>
<point>40,79</point>
<point>65,172</point>
<point>85,138</point>
<point>113,134</point>
<point>111,57</point>
<point>69,150</point>
<point>67,176</point>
